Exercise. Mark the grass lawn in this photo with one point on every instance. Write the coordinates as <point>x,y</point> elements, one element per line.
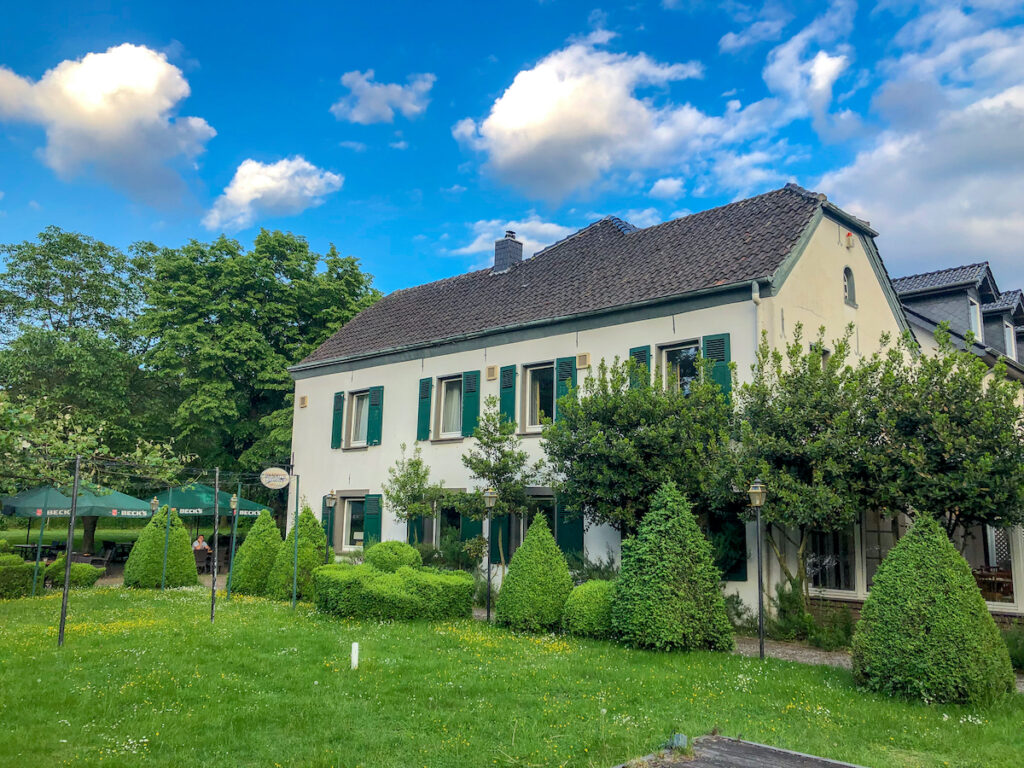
<point>144,678</point>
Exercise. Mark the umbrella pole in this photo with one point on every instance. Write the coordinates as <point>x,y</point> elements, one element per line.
<point>167,537</point>
<point>28,533</point>
<point>70,547</point>
<point>216,525</point>
<point>234,532</point>
<point>39,547</point>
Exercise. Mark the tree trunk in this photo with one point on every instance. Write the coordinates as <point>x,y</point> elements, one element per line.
<point>89,534</point>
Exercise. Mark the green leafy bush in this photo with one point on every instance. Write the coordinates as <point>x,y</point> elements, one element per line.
<point>924,631</point>
<point>1014,637</point>
<point>5,545</point>
<point>255,558</point>
<point>391,555</point>
<point>588,610</point>
<point>312,544</point>
<point>534,591</point>
<point>146,560</point>
<point>834,629</point>
<point>789,620</point>
<point>366,592</point>
<point>82,574</point>
<point>444,594</point>
<point>11,560</point>
<point>668,595</point>
<point>15,581</point>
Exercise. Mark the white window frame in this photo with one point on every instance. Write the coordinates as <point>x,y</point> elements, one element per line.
<point>346,523</point>
<point>353,397</point>
<point>1010,339</point>
<point>529,370</point>
<point>663,351</point>
<point>975,320</point>
<point>443,385</point>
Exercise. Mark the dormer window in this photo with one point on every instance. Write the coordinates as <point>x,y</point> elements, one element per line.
<point>849,289</point>
<point>975,320</point>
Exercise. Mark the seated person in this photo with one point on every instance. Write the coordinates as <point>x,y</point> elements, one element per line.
<point>200,545</point>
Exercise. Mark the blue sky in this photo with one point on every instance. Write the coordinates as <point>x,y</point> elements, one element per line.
<point>412,134</point>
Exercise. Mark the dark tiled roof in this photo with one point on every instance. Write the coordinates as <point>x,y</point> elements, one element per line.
<point>1008,301</point>
<point>605,265</point>
<point>969,274</point>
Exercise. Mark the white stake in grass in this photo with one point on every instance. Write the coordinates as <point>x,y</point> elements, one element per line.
<point>355,655</point>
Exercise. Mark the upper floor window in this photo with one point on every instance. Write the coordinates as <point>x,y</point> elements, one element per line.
<point>451,407</point>
<point>680,365</point>
<point>1011,340</point>
<point>849,289</point>
<point>975,320</point>
<point>360,418</point>
<point>540,394</point>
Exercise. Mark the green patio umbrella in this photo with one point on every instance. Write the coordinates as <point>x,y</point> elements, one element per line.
<point>196,500</point>
<point>41,502</point>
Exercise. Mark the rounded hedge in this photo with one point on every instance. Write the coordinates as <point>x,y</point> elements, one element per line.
<point>82,574</point>
<point>668,595</point>
<point>925,631</point>
<point>255,558</point>
<point>391,555</point>
<point>588,610</point>
<point>366,592</point>
<point>312,546</point>
<point>146,560</point>
<point>11,560</point>
<point>534,591</point>
<point>5,545</point>
<point>16,580</point>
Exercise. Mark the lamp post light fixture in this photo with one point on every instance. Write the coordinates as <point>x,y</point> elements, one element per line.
<point>331,502</point>
<point>154,505</point>
<point>490,497</point>
<point>757,493</point>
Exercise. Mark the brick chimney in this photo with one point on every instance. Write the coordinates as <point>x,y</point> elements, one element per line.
<point>507,251</point>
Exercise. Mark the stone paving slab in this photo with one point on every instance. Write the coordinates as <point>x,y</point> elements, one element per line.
<point>720,752</point>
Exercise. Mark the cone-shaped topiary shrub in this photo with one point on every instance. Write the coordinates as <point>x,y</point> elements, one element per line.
<point>312,543</point>
<point>391,555</point>
<point>145,563</point>
<point>535,589</point>
<point>588,611</point>
<point>668,595</point>
<point>255,558</point>
<point>925,631</point>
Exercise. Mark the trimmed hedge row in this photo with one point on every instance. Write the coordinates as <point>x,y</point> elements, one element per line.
<point>6,560</point>
<point>15,580</point>
<point>366,592</point>
<point>82,574</point>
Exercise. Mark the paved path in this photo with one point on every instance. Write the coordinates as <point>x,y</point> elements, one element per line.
<point>719,752</point>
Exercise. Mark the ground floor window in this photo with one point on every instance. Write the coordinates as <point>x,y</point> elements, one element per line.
<point>880,534</point>
<point>988,552</point>
<point>354,520</point>
<point>831,560</point>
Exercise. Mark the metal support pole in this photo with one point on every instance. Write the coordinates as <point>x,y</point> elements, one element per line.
<point>216,524</point>
<point>760,587</point>
<point>167,537</point>
<point>295,555</point>
<point>234,532</point>
<point>488,565</point>
<point>39,544</point>
<point>68,551</point>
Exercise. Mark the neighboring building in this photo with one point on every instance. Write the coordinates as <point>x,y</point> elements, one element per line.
<point>842,565</point>
<point>416,366</point>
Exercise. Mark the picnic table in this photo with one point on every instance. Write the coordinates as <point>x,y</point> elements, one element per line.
<point>121,550</point>
<point>28,551</point>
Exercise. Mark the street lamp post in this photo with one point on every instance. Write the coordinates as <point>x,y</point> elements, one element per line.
<point>757,493</point>
<point>490,497</point>
<point>234,533</point>
<point>331,501</point>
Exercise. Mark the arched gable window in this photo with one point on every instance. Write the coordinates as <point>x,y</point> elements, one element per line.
<point>849,290</point>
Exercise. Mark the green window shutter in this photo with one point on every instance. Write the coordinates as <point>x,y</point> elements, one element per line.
<point>423,415</point>
<point>375,416</point>
<point>716,347</point>
<point>568,531</point>
<point>470,402</point>
<point>565,377</point>
<point>371,518</point>
<point>327,520</point>
<point>507,392</point>
<point>501,534</point>
<point>640,356</point>
<point>338,421</point>
<point>415,524</point>
<point>470,528</point>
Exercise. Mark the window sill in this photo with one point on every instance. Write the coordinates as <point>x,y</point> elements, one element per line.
<point>837,594</point>
<point>532,433</point>
<point>355,447</point>
<point>458,439</point>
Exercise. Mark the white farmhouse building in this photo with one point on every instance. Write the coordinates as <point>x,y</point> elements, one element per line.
<point>417,365</point>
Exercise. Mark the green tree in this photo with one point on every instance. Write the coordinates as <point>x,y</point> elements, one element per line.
<point>621,436</point>
<point>226,324</point>
<point>534,592</point>
<point>145,566</point>
<point>497,461</point>
<point>312,545</point>
<point>947,436</point>
<point>798,430</point>
<point>408,491</point>
<point>668,595</point>
<point>256,556</point>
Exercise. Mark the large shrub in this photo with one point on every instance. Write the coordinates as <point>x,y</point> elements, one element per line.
<point>366,592</point>
<point>444,594</point>
<point>312,544</point>
<point>534,591</point>
<point>82,574</point>
<point>15,580</point>
<point>5,545</point>
<point>925,631</point>
<point>588,610</point>
<point>1014,637</point>
<point>391,555</point>
<point>145,562</point>
<point>668,595</point>
<point>255,558</point>
<point>11,560</point>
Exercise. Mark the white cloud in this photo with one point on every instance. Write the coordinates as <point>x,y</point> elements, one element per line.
<point>370,102</point>
<point>112,113</point>
<point>400,144</point>
<point>454,189</point>
<point>668,188</point>
<point>535,234</point>
<point>577,115</point>
<point>642,217</point>
<point>283,188</point>
<point>355,146</point>
<point>768,26</point>
<point>946,194</point>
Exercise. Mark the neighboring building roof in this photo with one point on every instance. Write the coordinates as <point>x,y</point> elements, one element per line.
<point>1008,301</point>
<point>1015,367</point>
<point>607,265</point>
<point>969,274</point>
